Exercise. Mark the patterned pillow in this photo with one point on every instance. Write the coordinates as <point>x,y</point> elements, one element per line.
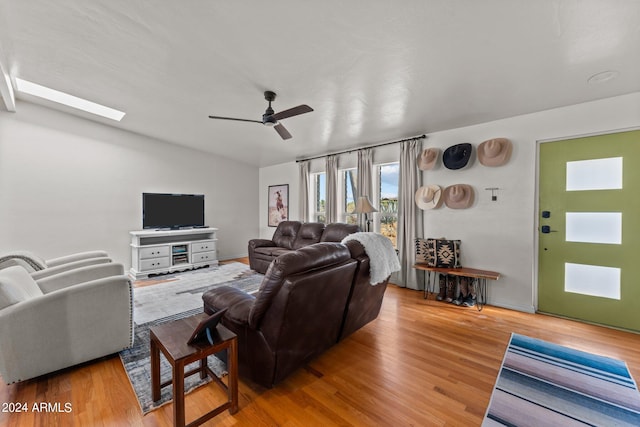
<point>438,252</point>
<point>422,254</point>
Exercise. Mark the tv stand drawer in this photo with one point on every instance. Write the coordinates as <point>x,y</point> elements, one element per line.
<point>154,252</point>
<point>204,246</point>
<point>203,257</point>
<point>154,264</point>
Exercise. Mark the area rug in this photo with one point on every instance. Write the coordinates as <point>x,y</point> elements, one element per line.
<point>170,294</point>
<point>171,297</point>
<point>545,384</point>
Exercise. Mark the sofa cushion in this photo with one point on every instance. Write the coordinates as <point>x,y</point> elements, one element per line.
<point>280,251</point>
<point>285,234</point>
<point>308,234</point>
<point>337,231</point>
<point>272,251</point>
<point>16,285</point>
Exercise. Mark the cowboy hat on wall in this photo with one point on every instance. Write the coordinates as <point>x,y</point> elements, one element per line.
<point>428,158</point>
<point>494,152</point>
<point>457,156</point>
<point>429,197</point>
<point>458,196</point>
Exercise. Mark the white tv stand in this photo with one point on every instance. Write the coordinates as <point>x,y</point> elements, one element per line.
<point>169,251</point>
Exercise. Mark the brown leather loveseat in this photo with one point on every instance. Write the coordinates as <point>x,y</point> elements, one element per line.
<point>292,235</point>
<point>309,299</point>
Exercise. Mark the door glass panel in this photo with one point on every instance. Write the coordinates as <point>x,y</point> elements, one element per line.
<point>594,227</point>
<point>592,280</point>
<point>596,174</point>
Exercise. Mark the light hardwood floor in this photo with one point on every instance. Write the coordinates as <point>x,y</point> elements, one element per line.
<point>421,363</point>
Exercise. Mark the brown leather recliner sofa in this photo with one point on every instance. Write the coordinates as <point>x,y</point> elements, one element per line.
<point>292,235</point>
<point>309,299</point>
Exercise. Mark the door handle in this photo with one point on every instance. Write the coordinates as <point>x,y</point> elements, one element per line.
<point>545,229</point>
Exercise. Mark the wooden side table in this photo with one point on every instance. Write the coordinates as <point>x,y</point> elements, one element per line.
<point>171,339</point>
<point>479,279</point>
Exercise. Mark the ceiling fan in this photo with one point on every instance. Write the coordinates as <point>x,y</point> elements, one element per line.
<point>270,118</point>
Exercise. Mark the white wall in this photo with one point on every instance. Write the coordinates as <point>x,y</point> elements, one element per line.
<point>501,235</point>
<point>68,184</point>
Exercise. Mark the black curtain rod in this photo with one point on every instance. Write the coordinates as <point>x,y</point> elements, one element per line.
<point>361,148</point>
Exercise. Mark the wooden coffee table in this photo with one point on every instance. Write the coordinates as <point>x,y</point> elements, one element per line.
<point>171,339</point>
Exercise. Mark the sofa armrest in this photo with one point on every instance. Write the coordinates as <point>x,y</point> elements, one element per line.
<point>75,257</point>
<point>258,243</point>
<point>238,303</point>
<point>79,275</point>
<point>26,259</point>
<point>50,271</point>
<point>65,327</point>
<point>356,249</point>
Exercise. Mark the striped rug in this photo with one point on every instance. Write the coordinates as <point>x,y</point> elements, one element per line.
<point>545,384</point>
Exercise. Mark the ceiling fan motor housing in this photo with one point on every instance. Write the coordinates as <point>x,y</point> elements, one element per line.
<point>267,120</point>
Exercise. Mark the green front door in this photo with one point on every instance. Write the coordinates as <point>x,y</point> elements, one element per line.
<point>589,233</point>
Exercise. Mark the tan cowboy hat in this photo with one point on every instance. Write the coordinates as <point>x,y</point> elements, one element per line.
<point>494,152</point>
<point>427,159</point>
<point>429,197</point>
<point>458,196</point>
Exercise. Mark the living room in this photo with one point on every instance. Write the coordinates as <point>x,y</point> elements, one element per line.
<point>70,183</point>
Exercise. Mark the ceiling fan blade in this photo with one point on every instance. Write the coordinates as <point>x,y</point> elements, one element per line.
<point>300,109</point>
<point>282,131</point>
<point>233,118</point>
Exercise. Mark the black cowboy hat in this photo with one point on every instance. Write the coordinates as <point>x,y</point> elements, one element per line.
<point>457,156</point>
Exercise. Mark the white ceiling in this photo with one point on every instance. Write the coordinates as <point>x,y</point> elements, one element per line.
<point>373,70</point>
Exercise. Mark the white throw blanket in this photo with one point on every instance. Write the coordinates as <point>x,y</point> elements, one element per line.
<point>382,255</point>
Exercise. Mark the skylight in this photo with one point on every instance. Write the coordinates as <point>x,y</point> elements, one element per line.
<point>68,100</point>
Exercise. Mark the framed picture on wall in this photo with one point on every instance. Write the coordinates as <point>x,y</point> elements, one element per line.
<point>278,204</point>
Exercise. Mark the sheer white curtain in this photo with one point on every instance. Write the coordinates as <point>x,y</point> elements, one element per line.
<point>303,200</point>
<point>409,216</point>
<point>364,180</point>
<point>332,189</point>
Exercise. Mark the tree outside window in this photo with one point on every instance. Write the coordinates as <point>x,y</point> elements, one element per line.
<point>349,179</point>
<point>388,196</point>
<point>320,194</point>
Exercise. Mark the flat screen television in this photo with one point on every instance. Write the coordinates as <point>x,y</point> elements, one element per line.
<point>172,210</point>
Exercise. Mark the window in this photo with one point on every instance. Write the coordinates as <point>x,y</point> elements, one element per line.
<point>319,197</point>
<point>387,218</point>
<point>349,182</point>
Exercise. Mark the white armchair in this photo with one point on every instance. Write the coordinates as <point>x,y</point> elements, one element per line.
<point>34,263</point>
<point>63,319</point>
